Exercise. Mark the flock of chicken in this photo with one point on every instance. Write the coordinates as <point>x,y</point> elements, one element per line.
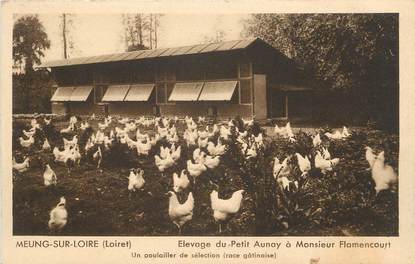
<point>206,155</point>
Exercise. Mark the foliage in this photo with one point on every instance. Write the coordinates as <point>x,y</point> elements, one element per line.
<point>353,53</point>
<point>29,41</point>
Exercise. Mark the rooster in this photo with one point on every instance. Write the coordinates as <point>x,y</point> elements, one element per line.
<point>180,213</point>
<point>222,208</point>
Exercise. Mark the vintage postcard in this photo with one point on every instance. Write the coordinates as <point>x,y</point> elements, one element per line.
<point>220,132</point>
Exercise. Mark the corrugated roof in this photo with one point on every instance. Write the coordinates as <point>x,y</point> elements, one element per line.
<point>156,53</point>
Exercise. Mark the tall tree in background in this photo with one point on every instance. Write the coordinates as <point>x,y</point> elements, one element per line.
<point>66,26</point>
<point>31,90</point>
<point>140,31</point>
<point>29,42</point>
<point>356,54</point>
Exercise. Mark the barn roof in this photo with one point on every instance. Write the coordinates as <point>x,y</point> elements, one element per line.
<point>157,53</point>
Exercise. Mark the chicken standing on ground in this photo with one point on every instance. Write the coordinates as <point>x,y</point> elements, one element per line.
<point>222,209</point>
<point>180,213</point>
<point>21,167</point>
<point>383,174</point>
<point>180,183</point>
<point>97,156</point>
<point>58,216</point>
<point>49,176</point>
<point>136,180</point>
<point>280,169</point>
<point>303,163</point>
<point>370,156</point>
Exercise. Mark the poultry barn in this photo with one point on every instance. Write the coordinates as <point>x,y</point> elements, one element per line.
<point>243,77</point>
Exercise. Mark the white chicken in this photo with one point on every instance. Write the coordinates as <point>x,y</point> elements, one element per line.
<point>181,182</point>
<point>195,169</point>
<point>28,142</point>
<point>335,135</point>
<point>316,140</point>
<point>97,156</point>
<point>383,175</point>
<point>84,125</point>
<point>46,145</point>
<point>212,162</point>
<point>72,142</point>
<point>285,183</point>
<point>136,180</point>
<point>370,156</point>
<point>202,143</point>
<point>58,216</point>
<point>49,176</point>
<point>345,132</point>
<point>303,163</point>
<point>163,164</point>
<point>223,208</point>
<point>280,169</point>
<point>180,213</point>
<point>29,133</point>
<point>325,164</point>
<point>175,154</point>
<point>21,167</point>
<point>217,150</point>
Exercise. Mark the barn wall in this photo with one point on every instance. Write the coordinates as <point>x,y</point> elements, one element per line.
<point>260,96</point>
<point>58,108</point>
<point>85,108</point>
<point>130,108</point>
<point>224,110</point>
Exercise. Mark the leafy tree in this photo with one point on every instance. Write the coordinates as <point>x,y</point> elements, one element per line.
<point>356,54</point>
<point>31,90</point>
<point>29,42</point>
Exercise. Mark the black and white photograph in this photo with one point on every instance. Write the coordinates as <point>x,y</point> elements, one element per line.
<point>165,124</point>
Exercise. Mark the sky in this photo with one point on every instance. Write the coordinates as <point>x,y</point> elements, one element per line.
<point>97,34</point>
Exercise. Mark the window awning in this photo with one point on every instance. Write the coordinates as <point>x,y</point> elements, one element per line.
<point>115,93</point>
<point>81,93</point>
<point>186,91</point>
<point>62,94</point>
<point>218,91</point>
<point>139,92</point>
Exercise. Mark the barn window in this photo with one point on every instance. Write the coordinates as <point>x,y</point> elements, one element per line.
<point>81,93</point>
<point>186,91</point>
<point>139,92</point>
<point>62,94</point>
<point>218,91</point>
<point>115,93</point>
<point>245,88</point>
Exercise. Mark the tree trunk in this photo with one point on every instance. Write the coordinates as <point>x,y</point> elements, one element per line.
<point>65,52</point>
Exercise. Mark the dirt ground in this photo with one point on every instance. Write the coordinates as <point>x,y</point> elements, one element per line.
<point>98,202</point>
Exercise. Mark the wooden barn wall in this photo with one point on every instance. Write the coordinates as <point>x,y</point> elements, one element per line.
<point>164,73</point>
